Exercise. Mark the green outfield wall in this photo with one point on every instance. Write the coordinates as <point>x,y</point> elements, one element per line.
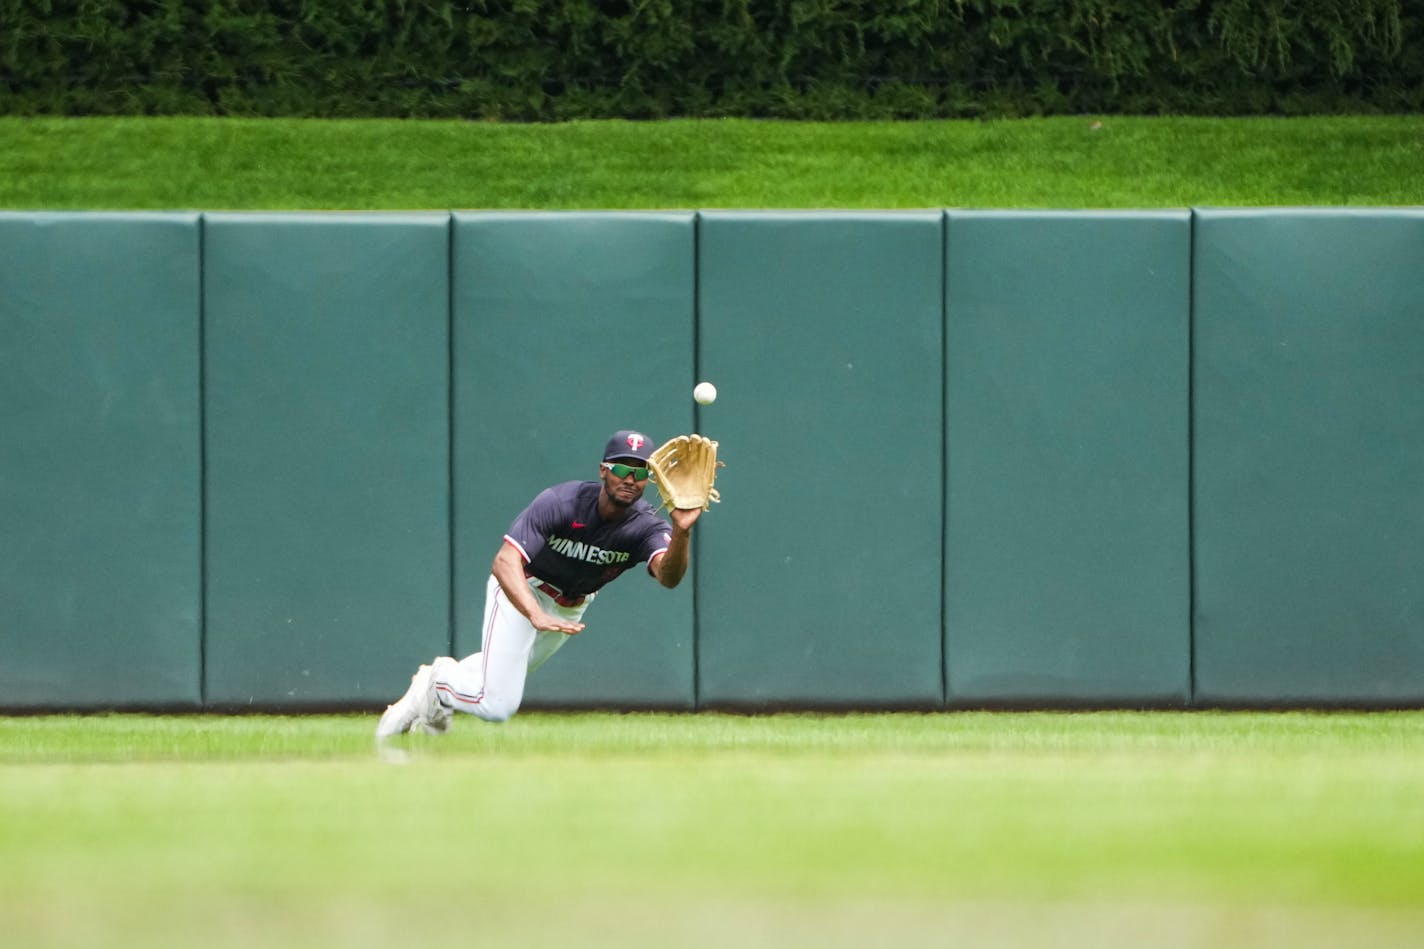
<point>100,460</point>
<point>973,458</point>
<point>819,578</point>
<point>327,465</point>
<point>1067,575</point>
<point>1308,488</point>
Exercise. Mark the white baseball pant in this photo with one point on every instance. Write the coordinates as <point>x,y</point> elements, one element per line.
<point>490,683</point>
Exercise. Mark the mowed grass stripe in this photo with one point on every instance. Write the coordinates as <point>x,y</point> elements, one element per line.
<point>124,737</point>
<point>1064,162</point>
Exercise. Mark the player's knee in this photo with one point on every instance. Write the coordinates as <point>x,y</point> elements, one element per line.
<point>498,708</point>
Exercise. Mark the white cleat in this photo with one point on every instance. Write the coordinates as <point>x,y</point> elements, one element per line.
<point>419,706</point>
<point>435,718</point>
<point>405,711</point>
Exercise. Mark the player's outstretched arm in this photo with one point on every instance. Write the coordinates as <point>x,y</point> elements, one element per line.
<point>508,569</point>
<point>671,565</point>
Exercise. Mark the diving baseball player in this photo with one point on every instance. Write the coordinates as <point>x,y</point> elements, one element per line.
<point>570,541</point>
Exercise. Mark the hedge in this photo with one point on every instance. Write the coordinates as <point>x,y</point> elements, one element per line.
<point>547,60</point>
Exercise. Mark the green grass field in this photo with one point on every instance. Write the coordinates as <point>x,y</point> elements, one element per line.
<point>1073,162</point>
<point>968,828</point>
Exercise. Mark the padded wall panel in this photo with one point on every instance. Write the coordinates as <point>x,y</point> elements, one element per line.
<point>820,580</point>
<point>327,390</point>
<point>1066,560</point>
<point>100,595</point>
<point>1309,497</point>
<point>568,327</point>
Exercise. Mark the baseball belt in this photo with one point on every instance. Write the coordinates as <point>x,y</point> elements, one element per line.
<point>558,595</point>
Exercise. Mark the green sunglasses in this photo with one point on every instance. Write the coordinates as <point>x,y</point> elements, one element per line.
<point>621,471</point>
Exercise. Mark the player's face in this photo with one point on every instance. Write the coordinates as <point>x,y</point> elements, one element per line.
<point>627,489</point>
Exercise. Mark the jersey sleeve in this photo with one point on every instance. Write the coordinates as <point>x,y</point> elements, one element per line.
<point>531,528</point>
<point>656,541</point>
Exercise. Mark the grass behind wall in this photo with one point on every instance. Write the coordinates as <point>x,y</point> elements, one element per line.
<point>1071,163</point>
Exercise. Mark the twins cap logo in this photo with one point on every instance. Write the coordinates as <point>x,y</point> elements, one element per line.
<point>635,441</point>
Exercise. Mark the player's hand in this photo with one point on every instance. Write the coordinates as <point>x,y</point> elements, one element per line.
<point>548,623</point>
<point>683,517</point>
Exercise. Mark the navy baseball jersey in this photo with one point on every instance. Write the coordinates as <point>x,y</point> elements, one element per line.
<point>564,542</point>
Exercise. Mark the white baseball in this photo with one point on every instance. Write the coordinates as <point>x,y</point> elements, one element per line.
<point>705,393</point>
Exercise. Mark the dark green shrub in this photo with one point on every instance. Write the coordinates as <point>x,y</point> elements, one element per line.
<point>817,59</point>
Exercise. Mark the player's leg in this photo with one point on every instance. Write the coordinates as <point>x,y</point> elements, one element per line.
<point>548,643</point>
<point>490,683</point>
<point>545,645</point>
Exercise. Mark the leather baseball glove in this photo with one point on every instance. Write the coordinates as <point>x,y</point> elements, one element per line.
<point>684,469</point>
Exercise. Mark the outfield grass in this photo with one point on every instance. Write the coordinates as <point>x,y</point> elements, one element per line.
<point>1086,829</point>
<point>1073,162</point>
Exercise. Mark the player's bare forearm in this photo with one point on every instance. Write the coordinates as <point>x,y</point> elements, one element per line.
<point>508,569</point>
<point>672,565</point>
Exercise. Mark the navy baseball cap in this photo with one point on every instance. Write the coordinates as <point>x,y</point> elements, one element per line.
<point>628,444</point>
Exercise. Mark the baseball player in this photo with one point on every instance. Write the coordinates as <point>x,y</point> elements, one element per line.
<point>570,541</point>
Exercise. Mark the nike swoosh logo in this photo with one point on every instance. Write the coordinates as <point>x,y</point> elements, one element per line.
<point>576,525</point>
